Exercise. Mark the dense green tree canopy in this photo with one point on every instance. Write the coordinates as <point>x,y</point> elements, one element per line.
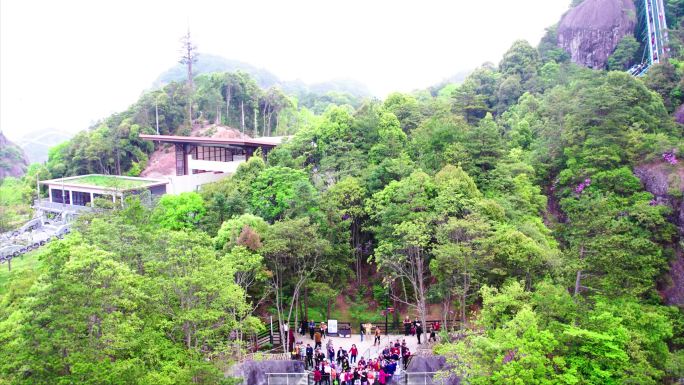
<point>514,202</point>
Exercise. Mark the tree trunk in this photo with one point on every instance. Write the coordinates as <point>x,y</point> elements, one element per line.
<point>355,247</point>
<point>242,108</point>
<point>447,308</point>
<point>296,318</point>
<point>256,122</point>
<point>190,86</point>
<point>156,116</point>
<point>327,313</point>
<point>188,335</point>
<point>403,286</point>
<point>464,301</point>
<point>421,287</point>
<point>118,157</point>
<point>228,96</point>
<point>263,118</point>
<point>578,278</point>
<point>301,308</point>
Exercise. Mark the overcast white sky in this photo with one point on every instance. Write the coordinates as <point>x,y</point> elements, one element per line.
<point>64,64</point>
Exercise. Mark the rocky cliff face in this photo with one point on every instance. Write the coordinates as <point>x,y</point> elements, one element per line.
<point>591,31</point>
<point>666,183</point>
<point>13,161</point>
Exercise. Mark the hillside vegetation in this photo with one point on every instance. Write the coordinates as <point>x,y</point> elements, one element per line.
<point>510,201</point>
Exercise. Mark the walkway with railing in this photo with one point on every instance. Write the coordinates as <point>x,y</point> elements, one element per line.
<point>288,379</point>
<point>401,378</point>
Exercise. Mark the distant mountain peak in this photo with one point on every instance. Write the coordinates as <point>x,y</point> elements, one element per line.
<point>208,63</point>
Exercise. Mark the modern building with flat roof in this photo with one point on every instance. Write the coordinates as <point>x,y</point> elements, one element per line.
<point>196,154</point>
<point>79,192</point>
<point>201,160</point>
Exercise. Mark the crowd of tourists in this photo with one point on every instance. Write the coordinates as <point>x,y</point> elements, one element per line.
<point>340,366</point>
<point>415,328</point>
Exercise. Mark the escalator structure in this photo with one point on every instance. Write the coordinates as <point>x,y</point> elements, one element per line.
<point>655,37</point>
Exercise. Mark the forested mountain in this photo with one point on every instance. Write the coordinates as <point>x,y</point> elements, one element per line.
<point>232,99</point>
<point>207,63</point>
<point>535,208</point>
<point>37,144</point>
<point>13,161</point>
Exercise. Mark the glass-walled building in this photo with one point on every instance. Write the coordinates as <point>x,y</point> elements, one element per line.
<point>82,191</point>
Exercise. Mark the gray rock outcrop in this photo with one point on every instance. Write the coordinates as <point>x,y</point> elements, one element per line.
<point>666,183</point>
<point>591,31</point>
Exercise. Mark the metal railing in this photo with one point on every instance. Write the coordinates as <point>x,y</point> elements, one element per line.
<point>421,378</point>
<point>405,378</point>
<point>287,378</point>
<point>45,204</point>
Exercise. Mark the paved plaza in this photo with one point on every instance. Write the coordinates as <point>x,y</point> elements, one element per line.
<point>366,348</point>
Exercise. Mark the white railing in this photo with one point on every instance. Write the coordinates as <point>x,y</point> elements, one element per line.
<point>287,378</point>
<point>46,204</point>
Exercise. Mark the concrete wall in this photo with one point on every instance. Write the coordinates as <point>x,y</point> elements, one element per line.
<point>209,165</point>
<point>187,183</point>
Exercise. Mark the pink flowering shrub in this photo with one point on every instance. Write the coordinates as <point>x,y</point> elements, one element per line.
<point>580,187</point>
<point>670,158</point>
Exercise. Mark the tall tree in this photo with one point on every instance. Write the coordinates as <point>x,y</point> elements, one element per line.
<point>188,57</point>
<point>461,259</point>
<point>294,252</point>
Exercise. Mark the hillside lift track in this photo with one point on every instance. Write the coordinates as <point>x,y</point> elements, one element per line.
<point>656,38</point>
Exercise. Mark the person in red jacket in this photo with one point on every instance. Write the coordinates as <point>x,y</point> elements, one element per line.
<point>353,352</point>
<point>317,377</point>
<point>382,377</point>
